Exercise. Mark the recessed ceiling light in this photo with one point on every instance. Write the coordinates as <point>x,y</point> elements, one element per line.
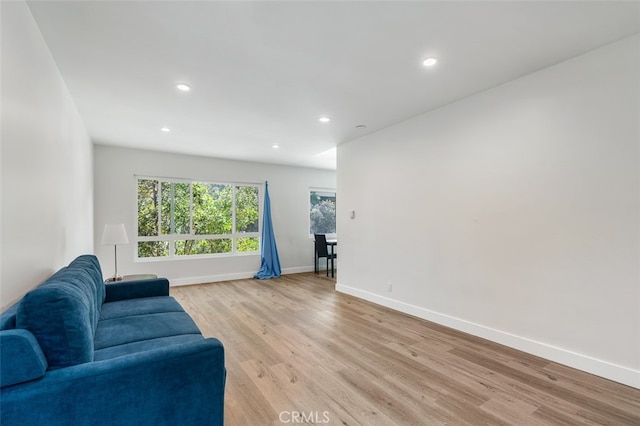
<point>429,62</point>
<point>324,119</point>
<point>183,87</point>
<point>165,129</point>
<point>275,146</point>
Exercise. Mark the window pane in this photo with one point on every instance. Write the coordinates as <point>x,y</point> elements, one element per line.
<point>191,247</point>
<point>165,221</point>
<point>153,248</point>
<point>246,245</point>
<point>176,208</point>
<point>147,207</point>
<point>322,212</point>
<point>247,209</point>
<point>181,208</point>
<point>212,209</point>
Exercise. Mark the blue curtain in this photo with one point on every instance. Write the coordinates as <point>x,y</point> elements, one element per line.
<point>270,267</point>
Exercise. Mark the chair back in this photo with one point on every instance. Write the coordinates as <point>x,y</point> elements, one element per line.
<point>321,245</point>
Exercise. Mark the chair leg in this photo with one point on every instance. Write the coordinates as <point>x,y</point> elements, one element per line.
<point>332,273</point>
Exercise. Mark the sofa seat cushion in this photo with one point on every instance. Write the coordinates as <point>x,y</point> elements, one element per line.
<point>136,328</point>
<point>145,345</point>
<point>143,306</point>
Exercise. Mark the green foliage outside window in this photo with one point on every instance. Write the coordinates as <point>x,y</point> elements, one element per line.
<point>322,212</point>
<point>197,209</point>
<point>247,209</point>
<point>147,208</point>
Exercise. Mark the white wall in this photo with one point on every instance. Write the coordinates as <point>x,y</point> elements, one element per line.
<point>47,162</point>
<point>115,189</point>
<point>513,214</point>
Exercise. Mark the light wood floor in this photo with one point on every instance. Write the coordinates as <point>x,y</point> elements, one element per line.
<point>299,351</point>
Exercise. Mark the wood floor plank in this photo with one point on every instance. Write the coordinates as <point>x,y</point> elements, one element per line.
<point>296,347</point>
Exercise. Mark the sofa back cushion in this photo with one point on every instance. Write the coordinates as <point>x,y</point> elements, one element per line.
<point>90,264</point>
<point>62,314</point>
<point>8,317</point>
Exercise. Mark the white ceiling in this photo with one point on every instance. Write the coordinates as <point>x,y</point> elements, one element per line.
<point>263,72</point>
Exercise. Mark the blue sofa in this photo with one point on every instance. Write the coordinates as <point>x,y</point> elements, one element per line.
<point>75,351</point>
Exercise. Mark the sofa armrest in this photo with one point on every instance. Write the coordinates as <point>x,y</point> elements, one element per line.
<point>136,289</point>
<point>179,384</point>
<point>21,357</point>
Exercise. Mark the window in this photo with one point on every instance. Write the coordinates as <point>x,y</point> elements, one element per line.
<point>182,218</point>
<point>322,212</point>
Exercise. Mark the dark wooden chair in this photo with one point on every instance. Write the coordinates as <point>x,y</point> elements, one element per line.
<point>322,251</point>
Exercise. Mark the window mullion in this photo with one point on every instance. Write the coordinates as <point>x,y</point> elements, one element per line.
<point>191,209</point>
<point>233,219</point>
<point>159,207</point>
<point>172,223</point>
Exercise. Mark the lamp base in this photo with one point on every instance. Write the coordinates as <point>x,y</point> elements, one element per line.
<point>114,279</point>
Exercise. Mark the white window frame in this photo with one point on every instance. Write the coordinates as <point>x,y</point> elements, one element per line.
<point>172,238</point>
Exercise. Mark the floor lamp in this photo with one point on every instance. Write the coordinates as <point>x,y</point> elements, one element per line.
<point>114,235</point>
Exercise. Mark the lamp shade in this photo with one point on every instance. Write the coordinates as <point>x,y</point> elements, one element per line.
<point>114,234</point>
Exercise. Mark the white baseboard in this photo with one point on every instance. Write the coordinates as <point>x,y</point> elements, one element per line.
<point>176,282</point>
<point>297,270</point>
<point>617,373</point>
